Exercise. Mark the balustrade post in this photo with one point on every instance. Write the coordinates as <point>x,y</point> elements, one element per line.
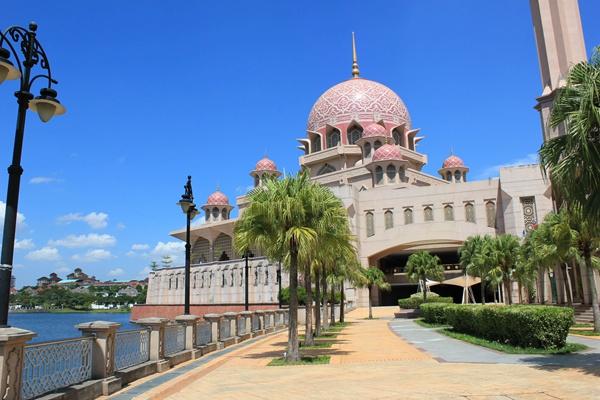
<point>12,345</point>
<point>157,340</point>
<point>190,332</point>
<point>247,317</point>
<point>261,321</point>
<point>231,317</point>
<point>270,317</point>
<point>214,319</point>
<point>103,353</point>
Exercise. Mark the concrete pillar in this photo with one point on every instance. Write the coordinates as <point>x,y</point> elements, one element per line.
<point>232,318</point>
<point>12,344</point>
<point>157,340</point>
<point>261,318</point>
<point>190,329</point>
<point>247,317</point>
<point>213,320</point>
<point>103,353</point>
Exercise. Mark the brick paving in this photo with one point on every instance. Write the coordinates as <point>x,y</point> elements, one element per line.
<point>369,361</point>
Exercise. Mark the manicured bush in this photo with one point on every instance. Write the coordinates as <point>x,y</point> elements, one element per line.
<point>525,326</point>
<point>415,301</point>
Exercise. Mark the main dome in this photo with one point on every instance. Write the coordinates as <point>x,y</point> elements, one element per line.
<point>357,99</point>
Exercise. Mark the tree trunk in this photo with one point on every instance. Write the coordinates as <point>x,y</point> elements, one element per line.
<point>333,303</point>
<point>342,302</point>
<point>370,304</point>
<point>578,281</point>
<point>293,353</point>
<point>560,285</point>
<point>482,288</point>
<point>520,292</point>
<point>318,303</point>
<point>507,291</point>
<point>587,255</point>
<point>568,287</point>
<point>308,326</point>
<point>541,286</point>
<point>424,280</point>
<point>325,308</point>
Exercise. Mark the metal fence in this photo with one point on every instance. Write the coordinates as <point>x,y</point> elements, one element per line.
<point>53,365</point>
<point>174,339</point>
<point>241,326</point>
<point>255,323</point>
<point>131,348</point>
<point>203,333</point>
<point>224,328</point>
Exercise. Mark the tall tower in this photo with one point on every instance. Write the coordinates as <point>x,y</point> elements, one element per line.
<point>560,44</point>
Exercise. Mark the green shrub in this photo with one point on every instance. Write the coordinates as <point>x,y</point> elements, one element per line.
<point>434,313</point>
<point>416,301</point>
<point>544,327</point>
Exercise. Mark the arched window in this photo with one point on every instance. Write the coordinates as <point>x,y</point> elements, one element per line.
<point>389,219</point>
<point>370,224</point>
<point>448,213</point>
<point>428,213</point>
<point>367,150</point>
<point>316,144</point>
<point>408,216</point>
<point>224,214</point>
<point>470,212</point>
<point>354,134</point>
<point>457,176</point>
<point>390,171</point>
<point>490,212</point>
<point>195,279</point>
<point>378,175</point>
<point>215,214</point>
<point>256,181</point>
<point>449,176</point>
<point>170,283</point>
<point>333,139</point>
<point>201,251</point>
<point>377,144</point>
<point>325,169</point>
<point>397,138</point>
<point>222,247</point>
<point>176,282</point>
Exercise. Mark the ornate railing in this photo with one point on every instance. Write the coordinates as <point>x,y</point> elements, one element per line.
<point>203,334</point>
<point>131,348</point>
<point>241,326</point>
<point>255,322</point>
<point>277,319</point>
<point>224,328</point>
<point>50,366</point>
<point>174,339</point>
<point>267,319</point>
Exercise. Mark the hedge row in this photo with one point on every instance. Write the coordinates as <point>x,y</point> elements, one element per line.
<point>525,326</point>
<point>415,302</point>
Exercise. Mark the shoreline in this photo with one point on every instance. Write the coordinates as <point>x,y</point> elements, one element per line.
<point>69,311</point>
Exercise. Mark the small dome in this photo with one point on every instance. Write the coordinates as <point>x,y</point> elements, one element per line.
<point>266,164</point>
<point>375,130</point>
<point>387,152</point>
<point>453,162</point>
<point>218,198</point>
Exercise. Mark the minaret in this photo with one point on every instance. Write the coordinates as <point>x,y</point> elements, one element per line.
<point>560,44</point>
<point>355,70</point>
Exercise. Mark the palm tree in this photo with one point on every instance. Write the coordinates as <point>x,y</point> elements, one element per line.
<point>277,222</point>
<point>472,261</point>
<point>572,159</point>
<point>374,277</point>
<point>505,251</point>
<point>421,266</point>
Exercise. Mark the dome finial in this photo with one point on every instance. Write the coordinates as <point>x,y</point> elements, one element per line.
<point>355,70</point>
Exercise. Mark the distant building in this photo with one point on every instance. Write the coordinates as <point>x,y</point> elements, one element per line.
<point>82,277</point>
<point>128,291</point>
<point>51,279</point>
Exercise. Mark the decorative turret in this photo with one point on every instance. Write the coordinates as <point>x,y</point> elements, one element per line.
<point>454,170</point>
<point>374,136</point>
<point>264,168</point>
<point>387,159</point>
<point>217,207</point>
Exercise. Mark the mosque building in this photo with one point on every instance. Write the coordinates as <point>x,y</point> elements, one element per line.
<point>360,142</point>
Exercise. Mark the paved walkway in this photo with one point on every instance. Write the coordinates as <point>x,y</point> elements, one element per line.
<point>370,361</point>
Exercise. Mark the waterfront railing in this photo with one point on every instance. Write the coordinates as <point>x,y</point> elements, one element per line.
<point>132,348</point>
<point>174,339</point>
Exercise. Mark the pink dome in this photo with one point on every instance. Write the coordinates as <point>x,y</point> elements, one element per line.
<point>453,162</point>
<point>387,152</point>
<point>218,198</point>
<point>357,99</point>
<point>375,130</point>
<point>266,165</point>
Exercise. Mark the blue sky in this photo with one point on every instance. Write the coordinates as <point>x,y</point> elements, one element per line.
<point>158,90</point>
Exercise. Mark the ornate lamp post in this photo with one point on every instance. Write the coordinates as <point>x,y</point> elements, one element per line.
<point>26,53</point>
<point>189,209</point>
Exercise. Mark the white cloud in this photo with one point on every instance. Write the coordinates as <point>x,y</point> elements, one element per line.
<point>144,273</point>
<point>121,226</point>
<point>198,221</point>
<point>493,171</point>
<point>168,248</point>
<point>92,256</point>
<point>20,217</point>
<point>89,240</point>
<point>44,254</point>
<point>94,219</point>
<point>62,270</point>
<point>37,180</point>
<point>140,247</point>
<point>24,244</point>
<point>116,272</point>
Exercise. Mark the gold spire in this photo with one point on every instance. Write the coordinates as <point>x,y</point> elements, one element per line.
<point>355,71</point>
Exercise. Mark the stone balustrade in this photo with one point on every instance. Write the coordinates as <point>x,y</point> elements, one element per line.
<point>104,358</point>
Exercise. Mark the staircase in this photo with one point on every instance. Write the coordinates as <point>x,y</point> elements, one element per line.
<point>583,313</point>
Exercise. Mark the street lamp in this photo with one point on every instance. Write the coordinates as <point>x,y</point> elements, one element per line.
<point>27,52</point>
<point>189,209</point>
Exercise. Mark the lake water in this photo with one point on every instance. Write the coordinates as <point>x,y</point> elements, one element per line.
<point>49,326</point>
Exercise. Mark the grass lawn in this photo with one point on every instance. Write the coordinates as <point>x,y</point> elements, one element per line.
<point>584,332</point>
<point>505,348</point>
<point>278,362</point>
<point>317,345</point>
<point>582,325</point>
